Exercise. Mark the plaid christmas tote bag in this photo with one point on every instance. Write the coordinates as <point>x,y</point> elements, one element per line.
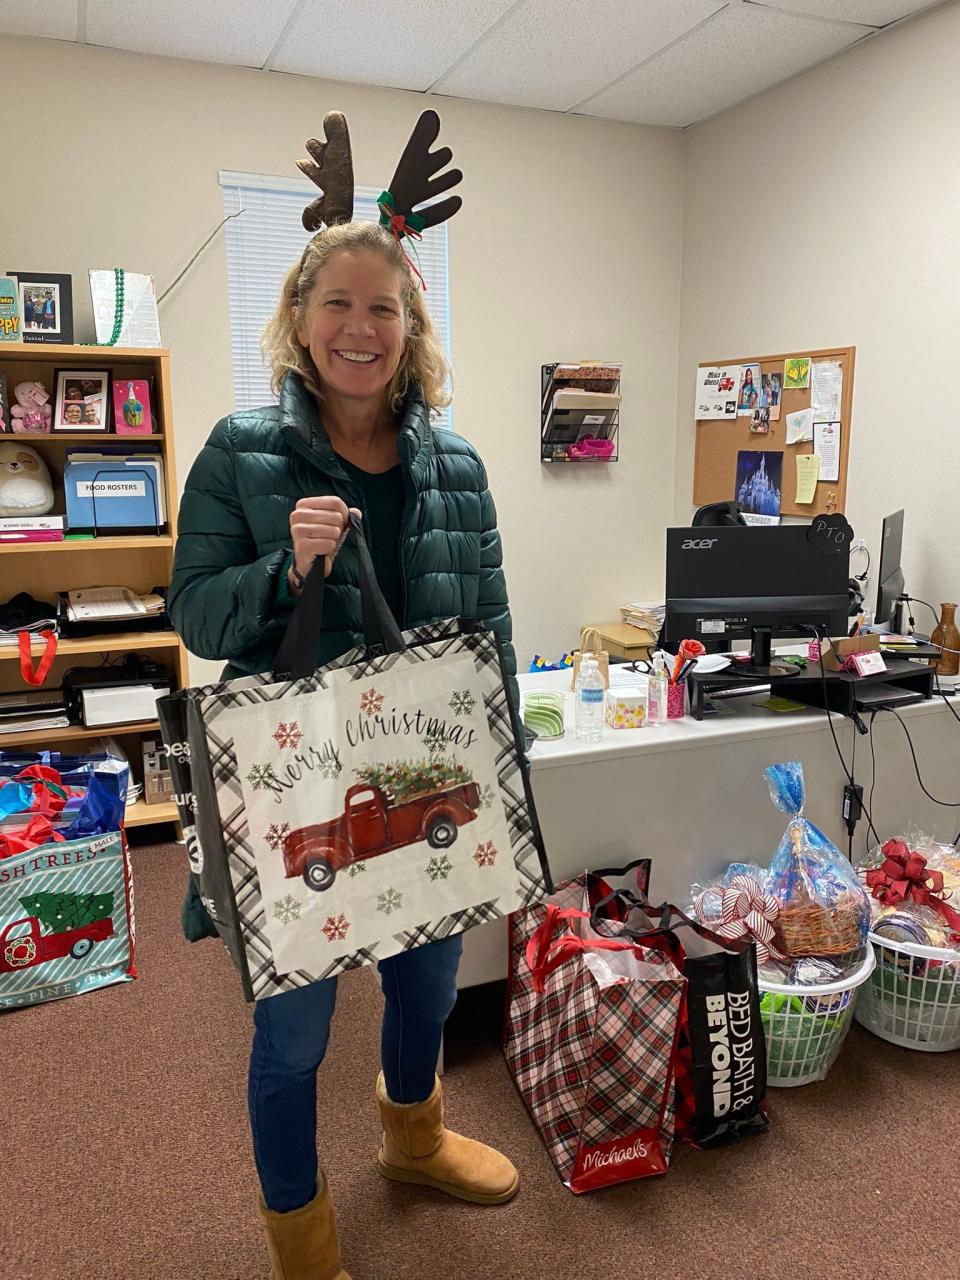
<point>340,815</point>
<point>591,1040</point>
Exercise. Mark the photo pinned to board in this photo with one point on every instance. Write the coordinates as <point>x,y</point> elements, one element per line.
<point>749,397</point>
<point>771,389</point>
<point>760,423</point>
<point>796,373</point>
<point>759,481</point>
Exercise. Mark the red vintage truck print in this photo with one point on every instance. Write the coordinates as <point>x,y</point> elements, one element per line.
<point>371,824</point>
<point>23,948</point>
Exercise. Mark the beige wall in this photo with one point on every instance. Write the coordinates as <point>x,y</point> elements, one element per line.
<point>827,212</point>
<point>117,164</point>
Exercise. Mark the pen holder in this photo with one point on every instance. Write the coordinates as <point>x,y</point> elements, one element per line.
<point>676,701</point>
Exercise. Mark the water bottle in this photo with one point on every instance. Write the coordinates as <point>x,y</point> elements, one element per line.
<point>657,692</point>
<point>590,692</point>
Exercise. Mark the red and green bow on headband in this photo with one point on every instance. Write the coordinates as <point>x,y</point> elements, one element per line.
<point>399,225</point>
<point>905,877</point>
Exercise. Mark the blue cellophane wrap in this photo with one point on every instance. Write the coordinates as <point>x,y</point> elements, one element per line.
<point>809,867</point>
<point>98,811</point>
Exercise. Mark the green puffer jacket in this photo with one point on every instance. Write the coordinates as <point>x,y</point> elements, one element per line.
<point>228,595</point>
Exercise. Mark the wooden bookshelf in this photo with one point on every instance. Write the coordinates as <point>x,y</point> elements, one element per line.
<point>140,561</point>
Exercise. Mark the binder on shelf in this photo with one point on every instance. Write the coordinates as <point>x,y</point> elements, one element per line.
<point>111,491</point>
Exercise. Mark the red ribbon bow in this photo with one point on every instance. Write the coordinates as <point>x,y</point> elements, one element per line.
<point>904,876</point>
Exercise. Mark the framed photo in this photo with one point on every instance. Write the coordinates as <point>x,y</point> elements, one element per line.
<point>82,400</point>
<point>4,404</point>
<point>132,412</point>
<point>46,306</point>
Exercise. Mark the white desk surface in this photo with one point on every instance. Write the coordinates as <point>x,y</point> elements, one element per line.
<point>743,720</point>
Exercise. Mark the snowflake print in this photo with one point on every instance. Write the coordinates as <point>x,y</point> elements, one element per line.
<point>336,928</point>
<point>356,869</point>
<point>330,769</point>
<point>486,855</point>
<point>261,775</point>
<point>288,735</point>
<point>286,910</point>
<point>276,834</point>
<point>371,702</point>
<point>439,868</point>
<point>462,703</point>
<point>389,902</point>
<point>436,742</point>
<point>487,797</point>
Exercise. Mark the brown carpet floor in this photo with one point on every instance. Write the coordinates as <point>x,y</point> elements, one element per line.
<point>125,1150</point>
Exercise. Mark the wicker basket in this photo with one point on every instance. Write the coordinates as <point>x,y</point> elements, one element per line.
<point>808,928</point>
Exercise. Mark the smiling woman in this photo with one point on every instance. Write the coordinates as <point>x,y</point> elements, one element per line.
<point>358,372</point>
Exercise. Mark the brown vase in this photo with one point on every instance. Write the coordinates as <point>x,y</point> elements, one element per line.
<point>945,633</point>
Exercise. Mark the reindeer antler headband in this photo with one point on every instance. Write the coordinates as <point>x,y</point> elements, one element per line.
<point>415,180</point>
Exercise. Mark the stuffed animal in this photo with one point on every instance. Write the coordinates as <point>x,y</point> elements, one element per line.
<point>32,411</point>
<point>25,485</point>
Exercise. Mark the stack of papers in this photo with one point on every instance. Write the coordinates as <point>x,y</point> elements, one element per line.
<point>144,466</point>
<point>647,616</point>
<point>104,604</point>
<point>8,639</point>
<point>34,709</point>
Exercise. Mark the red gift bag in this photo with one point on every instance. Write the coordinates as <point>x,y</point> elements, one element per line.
<point>591,1040</point>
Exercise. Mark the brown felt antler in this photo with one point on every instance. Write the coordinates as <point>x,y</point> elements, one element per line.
<point>414,179</point>
<point>331,168</point>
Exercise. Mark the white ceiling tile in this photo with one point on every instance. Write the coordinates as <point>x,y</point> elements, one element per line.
<point>555,53</point>
<point>404,44</point>
<point>735,55</point>
<point>241,32</point>
<point>54,19</point>
<point>871,13</point>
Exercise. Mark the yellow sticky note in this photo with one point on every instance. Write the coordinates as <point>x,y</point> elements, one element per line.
<point>808,473</point>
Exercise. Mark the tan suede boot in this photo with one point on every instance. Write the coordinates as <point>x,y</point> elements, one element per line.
<point>417,1148</point>
<point>303,1244</point>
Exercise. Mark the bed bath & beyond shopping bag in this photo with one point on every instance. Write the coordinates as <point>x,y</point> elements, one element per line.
<point>340,815</point>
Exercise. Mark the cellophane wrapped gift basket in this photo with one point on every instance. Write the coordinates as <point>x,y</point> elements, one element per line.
<point>913,997</point>
<point>810,917</point>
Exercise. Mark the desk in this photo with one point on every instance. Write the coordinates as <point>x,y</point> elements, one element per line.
<point>693,798</point>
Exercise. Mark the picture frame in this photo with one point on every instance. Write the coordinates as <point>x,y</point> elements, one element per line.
<point>46,306</point>
<point>81,400</point>
<point>6,424</point>
<point>132,406</point>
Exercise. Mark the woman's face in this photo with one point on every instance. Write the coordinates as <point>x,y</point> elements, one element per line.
<point>748,379</point>
<point>353,323</point>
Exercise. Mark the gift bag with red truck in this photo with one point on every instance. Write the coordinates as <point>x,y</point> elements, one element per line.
<point>66,911</point>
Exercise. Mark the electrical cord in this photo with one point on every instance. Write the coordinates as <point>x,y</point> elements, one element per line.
<point>171,287</point>
<point>873,776</point>
<point>819,635</point>
<point>946,804</point>
<point>862,577</point>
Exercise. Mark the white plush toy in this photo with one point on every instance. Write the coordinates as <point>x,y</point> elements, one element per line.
<point>25,485</point>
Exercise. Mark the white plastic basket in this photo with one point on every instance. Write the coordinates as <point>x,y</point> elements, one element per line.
<point>913,999</point>
<point>805,1026</point>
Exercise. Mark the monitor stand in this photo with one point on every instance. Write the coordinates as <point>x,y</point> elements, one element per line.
<point>761,665</point>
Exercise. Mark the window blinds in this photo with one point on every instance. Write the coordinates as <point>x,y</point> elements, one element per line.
<point>266,239</point>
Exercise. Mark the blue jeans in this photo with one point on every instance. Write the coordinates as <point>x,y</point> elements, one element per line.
<point>290,1039</point>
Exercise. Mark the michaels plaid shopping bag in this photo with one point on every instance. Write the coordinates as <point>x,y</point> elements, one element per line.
<point>591,1040</point>
<point>337,816</point>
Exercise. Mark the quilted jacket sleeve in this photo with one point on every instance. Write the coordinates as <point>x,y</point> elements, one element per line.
<point>493,608</point>
<point>224,600</point>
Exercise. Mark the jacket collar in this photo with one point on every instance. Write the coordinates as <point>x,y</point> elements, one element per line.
<point>302,427</point>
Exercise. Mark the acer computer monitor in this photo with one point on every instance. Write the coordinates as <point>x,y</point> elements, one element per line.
<point>755,583</point>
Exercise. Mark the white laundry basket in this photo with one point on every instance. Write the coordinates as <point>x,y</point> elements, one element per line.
<point>806,1026</point>
<point>913,998</point>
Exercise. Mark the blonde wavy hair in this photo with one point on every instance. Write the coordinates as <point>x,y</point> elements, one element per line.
<point>423,360</point>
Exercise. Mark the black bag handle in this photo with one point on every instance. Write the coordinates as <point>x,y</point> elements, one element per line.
<point>671,918</point>
<point>297,654</point>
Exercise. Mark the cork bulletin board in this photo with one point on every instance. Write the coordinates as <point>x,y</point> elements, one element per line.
<point>720,440</point>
